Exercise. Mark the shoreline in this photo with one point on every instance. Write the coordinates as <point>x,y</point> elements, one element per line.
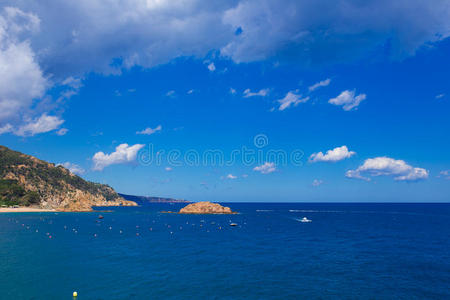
<point>24,209</point>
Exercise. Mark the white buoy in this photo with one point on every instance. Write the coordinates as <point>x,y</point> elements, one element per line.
<point>75,294</point>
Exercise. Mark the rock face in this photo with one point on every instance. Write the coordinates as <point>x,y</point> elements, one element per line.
<point>205,208</point>
<point>50,186</point>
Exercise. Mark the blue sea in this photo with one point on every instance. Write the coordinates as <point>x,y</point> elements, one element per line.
<point>348,251</point>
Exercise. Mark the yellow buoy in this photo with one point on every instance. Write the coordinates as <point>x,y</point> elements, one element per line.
<point>75,294</point>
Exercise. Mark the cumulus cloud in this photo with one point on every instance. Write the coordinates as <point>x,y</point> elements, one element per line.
<point>445,173</point>
<point>72,82</point>
<point>105,38</point>
<point>170,93</point>
<point>153,32</point>
<point>74,168</point>
<point>62,131</point>
<point>440,96</point>
<point>36,43</point>
<point>385,166</point>
<point>150,131</point>
<point>317,182</point>
<point>266,168</point>
<point>123,154</point>
<point>319,84</point>
<point>273,26</point>
<point>336,154</point>
<point>231,176</point>
<point>347,100</point>
<point>72,86</point>
<point>291,98</point>
<point>22,79</point>
<point>248,93</point>
<point>6,128</point>
<point>211,67</point>
<point>42,124</point>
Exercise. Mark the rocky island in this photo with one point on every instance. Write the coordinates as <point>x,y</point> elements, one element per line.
<point>205,208</point>
<point>28,182</point>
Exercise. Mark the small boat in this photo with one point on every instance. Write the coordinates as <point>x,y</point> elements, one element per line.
<point>305,220</point>
<point>100,217</point>
<point>233,224</point>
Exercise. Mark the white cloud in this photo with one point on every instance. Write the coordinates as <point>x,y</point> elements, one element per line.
<point>440,96</point>
<point>42,124</point>
<point>262,93</point>
<point>231,176</point>
<point>74,168</point>
<point>190,91</point>
<point>22,79</point>
<point>123,154</point>
<point>385,166</point>
<point>211,67</point>
<point>319,84</point>
<point>72,82</point>
<point>317,182</point>
<point>62,131</point>
<point>149,33</point>
<point>73,86</point>
<point>348,100</point>
<point>266,168</point>
<point>345,32</point>
<point>168,169</point>
<point>94,34</point>
<point>170,93</point>
<point>149,131</point>
<point>291,98</point>
<point>445,173</point>
<point>336,154</point>
<point>6,128</point>
<point>36,44</point>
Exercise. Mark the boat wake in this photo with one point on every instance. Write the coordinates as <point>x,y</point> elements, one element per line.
<point>303,220</point>
<point>315,211</point>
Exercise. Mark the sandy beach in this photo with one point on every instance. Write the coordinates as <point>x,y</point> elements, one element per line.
<point>24,209</point>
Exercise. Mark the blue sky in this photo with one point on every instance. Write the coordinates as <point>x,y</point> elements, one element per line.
<point>363,96</point>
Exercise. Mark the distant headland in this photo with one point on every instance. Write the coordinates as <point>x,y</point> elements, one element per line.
<point>146,199</point>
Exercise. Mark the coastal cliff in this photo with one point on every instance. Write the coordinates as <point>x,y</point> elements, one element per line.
<point>205,208</point>
<point>28,181</point>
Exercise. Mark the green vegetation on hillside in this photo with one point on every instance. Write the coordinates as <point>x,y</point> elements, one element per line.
<point>41,177</point>
<point>13,194</point>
